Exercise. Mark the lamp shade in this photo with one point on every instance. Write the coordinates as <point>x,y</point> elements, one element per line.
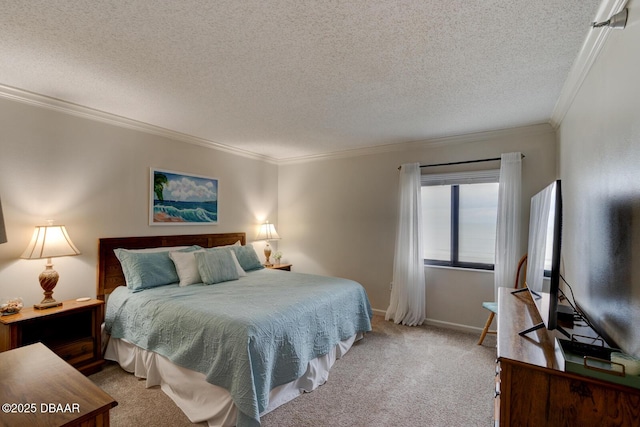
<point>50,241</point>
<point>3,231</point>
<point>267,232</point>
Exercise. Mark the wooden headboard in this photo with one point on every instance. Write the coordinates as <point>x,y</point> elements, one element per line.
<point>110,274</point>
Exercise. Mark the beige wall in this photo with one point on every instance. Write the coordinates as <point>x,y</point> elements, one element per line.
<point>338,216</point>
<point>599,140</point>
<point>94,178</point>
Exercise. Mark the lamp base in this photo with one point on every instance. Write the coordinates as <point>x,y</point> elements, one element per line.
<point>44,305</point>
<point>267,254</point>
<point>48,280</point>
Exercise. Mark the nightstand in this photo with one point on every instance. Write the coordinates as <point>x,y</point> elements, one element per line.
<point>72,331</point>
<point>283,267</point>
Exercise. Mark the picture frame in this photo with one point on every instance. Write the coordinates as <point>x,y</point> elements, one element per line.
<point>179,198</point>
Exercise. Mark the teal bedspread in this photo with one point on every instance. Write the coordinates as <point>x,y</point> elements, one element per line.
<point>248,335</point>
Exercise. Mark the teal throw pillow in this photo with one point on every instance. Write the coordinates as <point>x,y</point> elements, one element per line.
<point>144,270</point>
<point>247,257</point>
<point>216,266</point>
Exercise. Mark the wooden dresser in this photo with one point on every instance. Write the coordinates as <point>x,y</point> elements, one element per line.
<point>40,389</point>
<point>531,389</point>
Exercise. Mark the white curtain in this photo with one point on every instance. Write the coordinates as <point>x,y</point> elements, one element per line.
<point>508,223</point>
<point>408,289</point>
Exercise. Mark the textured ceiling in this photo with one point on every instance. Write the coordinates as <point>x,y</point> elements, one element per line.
<point>291,78</point>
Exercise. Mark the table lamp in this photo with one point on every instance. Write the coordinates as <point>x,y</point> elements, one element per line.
<point>49,241</point>
<point>267,233</point>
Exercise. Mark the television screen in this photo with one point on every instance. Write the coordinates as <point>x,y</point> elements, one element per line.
<point>543,263</point>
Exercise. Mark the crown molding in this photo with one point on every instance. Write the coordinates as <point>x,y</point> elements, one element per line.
<point>65,107</point>
<point>70,108</point>
<point>587,56</point>
<point>534,129</point>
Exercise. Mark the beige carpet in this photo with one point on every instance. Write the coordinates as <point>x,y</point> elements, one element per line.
<point>396,376</point>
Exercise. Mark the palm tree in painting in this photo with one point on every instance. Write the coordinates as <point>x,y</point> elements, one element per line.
<point>159,181</point>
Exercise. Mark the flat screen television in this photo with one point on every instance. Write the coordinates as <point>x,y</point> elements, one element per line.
<point>543,261</point>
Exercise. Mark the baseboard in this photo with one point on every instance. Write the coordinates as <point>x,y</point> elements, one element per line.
<point>439,323</point>
<point>456,326</point>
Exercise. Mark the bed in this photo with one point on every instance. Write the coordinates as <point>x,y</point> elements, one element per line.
<point>231,350</point>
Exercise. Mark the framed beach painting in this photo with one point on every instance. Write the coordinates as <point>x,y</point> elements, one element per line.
<point>178,198</point>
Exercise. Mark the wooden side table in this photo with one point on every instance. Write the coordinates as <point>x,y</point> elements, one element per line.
<point>72,331</point>
<point>40,389</point>
<point>283,267</point>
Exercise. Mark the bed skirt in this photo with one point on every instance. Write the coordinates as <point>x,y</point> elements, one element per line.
<point>204,402</point>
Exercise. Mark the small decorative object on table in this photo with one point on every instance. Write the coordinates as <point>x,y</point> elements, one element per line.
<point>11,306</point>
<point>277,256</point>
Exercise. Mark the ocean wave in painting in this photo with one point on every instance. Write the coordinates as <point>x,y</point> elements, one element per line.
<point>184,211</point>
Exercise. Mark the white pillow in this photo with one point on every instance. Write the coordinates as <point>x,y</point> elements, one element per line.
<point>230,246</point>
<point>186,267</point>
<point>241,272</point>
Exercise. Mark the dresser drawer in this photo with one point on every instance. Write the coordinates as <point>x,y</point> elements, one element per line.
<point>77,351</point>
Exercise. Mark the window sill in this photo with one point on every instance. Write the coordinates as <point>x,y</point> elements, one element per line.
<point>447,267</point>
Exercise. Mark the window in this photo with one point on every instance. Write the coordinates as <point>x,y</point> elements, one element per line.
<point>459,214</point>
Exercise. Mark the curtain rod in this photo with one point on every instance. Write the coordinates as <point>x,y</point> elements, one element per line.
<point>461,163</point>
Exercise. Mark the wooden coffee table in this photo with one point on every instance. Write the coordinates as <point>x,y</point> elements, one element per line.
<point>40,389</point>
